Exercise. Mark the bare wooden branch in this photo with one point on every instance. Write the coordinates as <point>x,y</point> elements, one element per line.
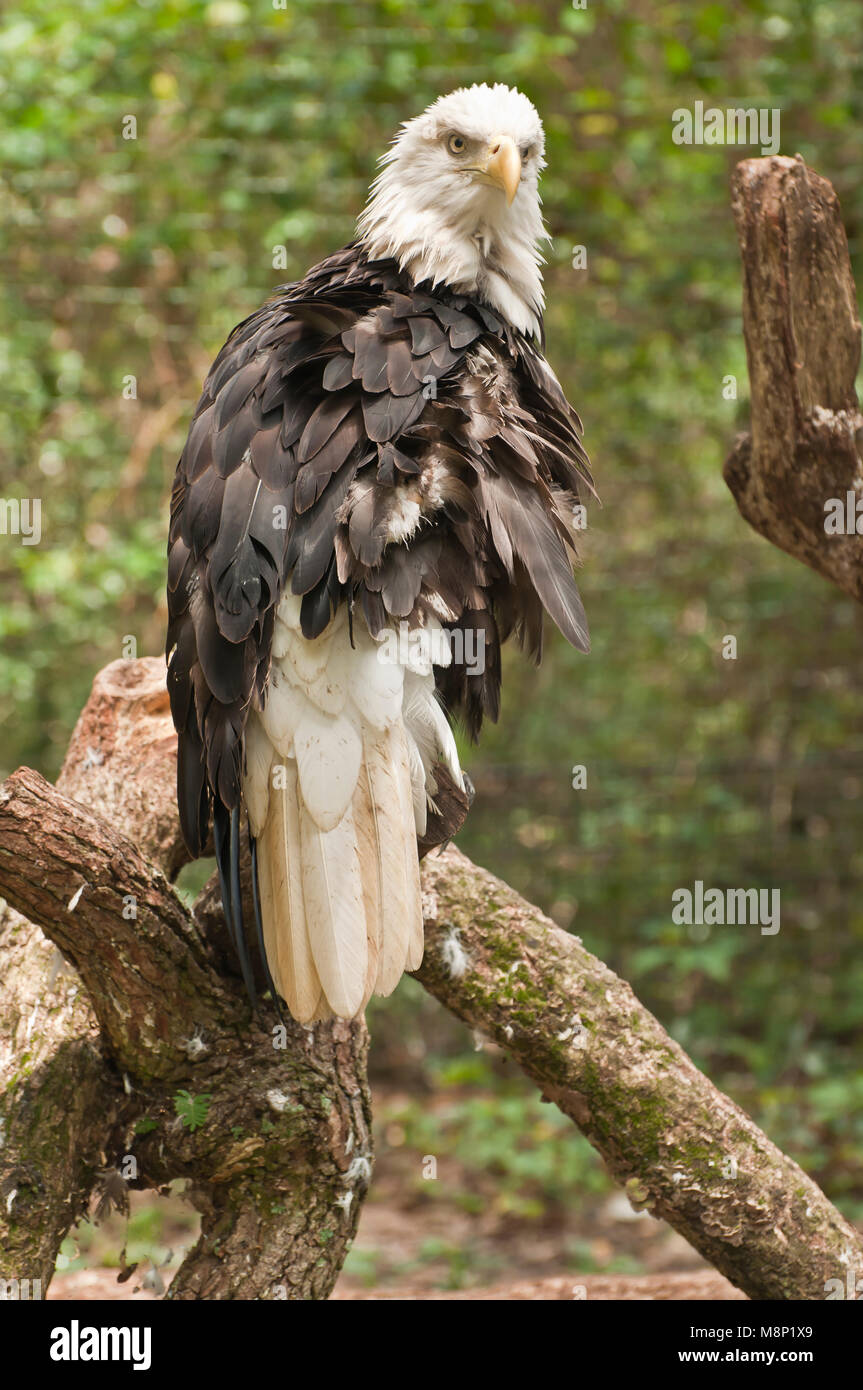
<point>59,1095</point>
<point>122,760</point>
<point>59,1102</point>
<point>802,336</point>
<point>138,952</point>
<point>676,1144</point>
<point>281,1160</point>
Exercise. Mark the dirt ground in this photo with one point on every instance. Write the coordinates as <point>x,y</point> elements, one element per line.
<point>413,1246</point>
<point>87,1285</point>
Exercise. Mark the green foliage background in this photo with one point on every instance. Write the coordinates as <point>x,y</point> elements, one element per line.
<point>259,126</point>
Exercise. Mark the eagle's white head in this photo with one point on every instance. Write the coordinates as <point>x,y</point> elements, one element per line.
<point>457,200</point>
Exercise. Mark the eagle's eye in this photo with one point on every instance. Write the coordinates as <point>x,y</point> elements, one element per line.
<point>526,151</point>
<point>456,144</point>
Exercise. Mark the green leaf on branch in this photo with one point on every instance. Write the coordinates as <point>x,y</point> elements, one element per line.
<point>192,1110</point>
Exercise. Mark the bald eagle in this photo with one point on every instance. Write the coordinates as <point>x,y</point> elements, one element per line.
<point>379,486</point>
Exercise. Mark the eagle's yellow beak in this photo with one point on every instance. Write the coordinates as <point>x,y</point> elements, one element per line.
<point>502,166</point>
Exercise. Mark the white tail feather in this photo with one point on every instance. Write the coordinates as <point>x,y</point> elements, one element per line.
<point>335,915</point>
<point>329,751</point>
<point>413,896</point>
<point>381,753</point>
<point>283,911</point>
<point>367,847</point>
<point>427,724</point>
<point>259,757</point>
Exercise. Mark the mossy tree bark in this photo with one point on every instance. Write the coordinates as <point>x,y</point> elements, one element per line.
<point>678,1146</point>
<point>140,1062</point>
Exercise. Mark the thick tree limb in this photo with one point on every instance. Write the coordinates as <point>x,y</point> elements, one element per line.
<point>167,1017</point>
<point>138,952</point>
<point>59,1096</point>
<point>803,348</point>
<point>283,1157</point>
<point>676,1144</point>
<point>59,1104</point>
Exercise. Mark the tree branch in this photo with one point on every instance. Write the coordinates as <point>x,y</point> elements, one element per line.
<point>676,1144</point>
<point>803,349</point>
<point>281,1157</point>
